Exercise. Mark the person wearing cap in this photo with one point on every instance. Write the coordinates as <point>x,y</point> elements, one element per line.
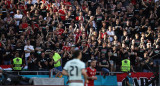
<point>128,80</point>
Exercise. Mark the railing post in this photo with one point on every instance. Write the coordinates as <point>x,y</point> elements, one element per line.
<point>51,73</point>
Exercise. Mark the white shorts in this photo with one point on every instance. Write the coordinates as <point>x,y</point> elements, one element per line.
<point>76,84</point>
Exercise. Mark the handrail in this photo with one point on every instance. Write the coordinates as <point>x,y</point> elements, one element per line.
<point>27,71</point>
<point>51,72</point>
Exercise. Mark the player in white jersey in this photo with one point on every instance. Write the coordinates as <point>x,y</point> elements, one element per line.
<point>74,69</point>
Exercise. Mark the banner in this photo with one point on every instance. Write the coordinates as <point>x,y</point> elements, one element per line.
<point>139,78</point>
<point>5,67</point>
<point>8,67</point>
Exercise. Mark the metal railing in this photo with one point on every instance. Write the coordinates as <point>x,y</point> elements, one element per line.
<point>51,72</point>
<point>19,72</point>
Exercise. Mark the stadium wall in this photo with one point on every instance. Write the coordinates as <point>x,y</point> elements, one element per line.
<point>109,80</point>
<point>139,79</point>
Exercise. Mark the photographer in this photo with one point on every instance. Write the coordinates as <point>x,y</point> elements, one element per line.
<point>11,79</point>
<point>128,81</point>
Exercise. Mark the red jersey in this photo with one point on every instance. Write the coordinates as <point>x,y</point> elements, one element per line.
<point>77,35</point>
<point>102,35</point>
<point>90,72</point>
<point>62,12</point>
<point>60,31</point>
<point>8,3</point>
<point>24,25</point>
<point>66,48</point>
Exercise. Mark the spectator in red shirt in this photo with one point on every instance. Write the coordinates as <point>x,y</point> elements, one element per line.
<point>103,33</point>
<point>62,12</point>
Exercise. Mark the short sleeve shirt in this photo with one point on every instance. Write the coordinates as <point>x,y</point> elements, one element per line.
<point>56,57</point>
<point>74,67</point>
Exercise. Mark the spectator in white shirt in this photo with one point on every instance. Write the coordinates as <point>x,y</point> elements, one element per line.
<point>110,33</point>
<point>18,17</point>
<point>28,49</point>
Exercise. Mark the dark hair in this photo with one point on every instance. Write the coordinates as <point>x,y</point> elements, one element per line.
<point>126,55</point>
<point>93,60</point>
<point>53,52</point>
<point>76,53</point>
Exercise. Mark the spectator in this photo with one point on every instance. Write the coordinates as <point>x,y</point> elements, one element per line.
<point>50,61</point>
<point>104,65</point>
<point>93,26</point>
<point>57,60</point>
<point>110,33</point>
<point>43,64</point>
<point>18,17</point>
<point>19,48</point>
<point>38,49</point>
<point>28,49</point>
<point>32,62</point>
<point>147,63</point>
<point>156,61</point>
<point>9,20</point>
<point>7,57</point>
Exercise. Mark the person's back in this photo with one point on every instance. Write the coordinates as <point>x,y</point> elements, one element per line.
<point>74,68</point>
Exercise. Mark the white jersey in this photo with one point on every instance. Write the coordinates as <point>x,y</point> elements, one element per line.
<point>74,68</point>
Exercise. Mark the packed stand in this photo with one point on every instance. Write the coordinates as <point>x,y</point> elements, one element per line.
<point>105,30</point>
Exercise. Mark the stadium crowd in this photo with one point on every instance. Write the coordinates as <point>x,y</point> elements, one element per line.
<point>105,30</point>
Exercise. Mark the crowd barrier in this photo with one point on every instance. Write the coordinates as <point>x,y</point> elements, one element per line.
<point>108,81</point>
<point>48,81</point>
<point>139,79</point>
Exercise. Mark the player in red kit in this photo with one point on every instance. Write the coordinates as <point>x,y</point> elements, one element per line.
<point>91,72</point>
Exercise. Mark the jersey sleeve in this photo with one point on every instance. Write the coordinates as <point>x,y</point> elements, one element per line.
<point>66,66</point>
<point>32,47</point>
<point>87,71</point>
<point>59,57</point>
<point>25,47</point>
<point>82,66</point>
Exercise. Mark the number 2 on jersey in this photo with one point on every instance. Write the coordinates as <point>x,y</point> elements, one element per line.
<point>74,68</point>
